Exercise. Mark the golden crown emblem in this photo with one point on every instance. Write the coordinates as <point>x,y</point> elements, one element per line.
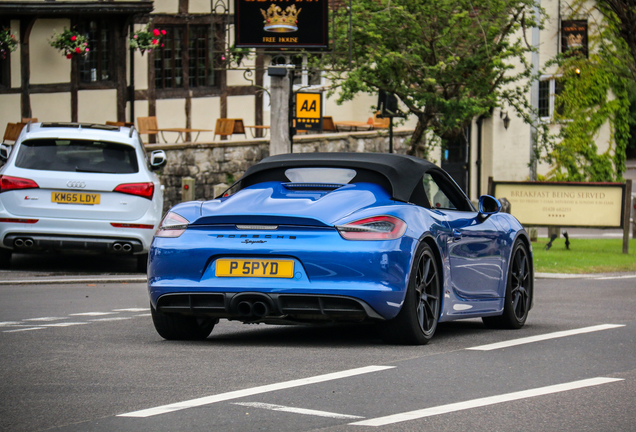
<point>575,41</point>
<point>278,21</point>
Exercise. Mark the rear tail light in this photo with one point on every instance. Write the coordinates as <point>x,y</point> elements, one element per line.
<point>8,183</point>
<point>144,190</point>
<point>373,228</point>
<point>14,220</point>
<point>172,225</point>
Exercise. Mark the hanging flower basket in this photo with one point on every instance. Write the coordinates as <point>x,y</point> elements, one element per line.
<point>8,42</point>
<point>146,40</point>
<point>71,43</point>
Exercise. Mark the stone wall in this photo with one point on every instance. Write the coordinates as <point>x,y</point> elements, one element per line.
<point>223,162</point>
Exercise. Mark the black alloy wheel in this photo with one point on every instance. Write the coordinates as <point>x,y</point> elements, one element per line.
<point>518,300</point>
<point>5,259</point>
<point>417,321</point>
<point>181,327</point>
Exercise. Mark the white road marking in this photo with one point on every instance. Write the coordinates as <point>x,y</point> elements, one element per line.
<point>616,277</point>
<point>543,337</point>
<point>475,403</point>
<point>252,391</point>
<point>46,319</point>
<point>23,329</point>
<point>296,410</point>
<point>131,310</point>
<point>93,313</point>
<point>110,319</point>
<point>9,323</point>
<point>143,315</point>
<point>63,324</point>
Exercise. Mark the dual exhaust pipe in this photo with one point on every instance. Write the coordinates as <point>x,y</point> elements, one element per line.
<point>256,309</point>
<point>23,243</point>
<point>122,247</point>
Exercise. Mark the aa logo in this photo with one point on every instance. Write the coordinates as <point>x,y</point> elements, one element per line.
<point>308,107</point>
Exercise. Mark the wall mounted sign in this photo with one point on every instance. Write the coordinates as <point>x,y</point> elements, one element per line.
<point>574,37</point>
<point>308,111</point>
<point>599,205</point>
<point>281,24</point>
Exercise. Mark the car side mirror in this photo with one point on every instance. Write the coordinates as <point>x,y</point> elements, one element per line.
<point>158,159</point>
<point>5,151</point>
<point>488,206</point>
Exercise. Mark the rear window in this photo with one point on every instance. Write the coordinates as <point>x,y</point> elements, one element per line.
<point>320,175</point>
<point>77,156</point>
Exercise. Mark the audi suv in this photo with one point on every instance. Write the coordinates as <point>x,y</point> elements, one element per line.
<point>79,187</point>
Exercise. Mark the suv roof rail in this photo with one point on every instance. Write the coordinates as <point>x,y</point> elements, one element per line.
<point>80,126</point>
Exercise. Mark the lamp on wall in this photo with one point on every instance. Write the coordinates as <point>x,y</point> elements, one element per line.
<point>506,119</point>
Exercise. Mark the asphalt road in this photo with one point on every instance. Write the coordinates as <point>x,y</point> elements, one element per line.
<point>85,357</point>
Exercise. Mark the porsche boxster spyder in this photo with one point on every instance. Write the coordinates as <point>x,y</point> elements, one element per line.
<point>340,237</point>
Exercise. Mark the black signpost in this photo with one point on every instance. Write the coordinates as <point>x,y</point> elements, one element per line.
<point>388,107</point>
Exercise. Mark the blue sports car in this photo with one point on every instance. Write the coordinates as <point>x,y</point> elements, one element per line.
<point>340,237</point>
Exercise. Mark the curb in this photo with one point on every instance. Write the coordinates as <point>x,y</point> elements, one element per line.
<point>50,280</point>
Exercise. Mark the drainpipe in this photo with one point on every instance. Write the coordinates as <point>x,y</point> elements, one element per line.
<point>480,121</point>
<point>534,94</point>
<point>131,89</point>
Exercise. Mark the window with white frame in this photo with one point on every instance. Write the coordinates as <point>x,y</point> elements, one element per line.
<point>303,76</point>
<point>549,88</point>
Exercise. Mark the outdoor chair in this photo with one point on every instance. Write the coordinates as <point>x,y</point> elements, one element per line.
<point>229,127</point>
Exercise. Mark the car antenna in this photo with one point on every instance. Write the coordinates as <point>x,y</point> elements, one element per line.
<point>132,128</point>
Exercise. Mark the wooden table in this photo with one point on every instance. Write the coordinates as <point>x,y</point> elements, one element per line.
<point>354,124</point>
<point>253,130</point>
<point>181,132</point>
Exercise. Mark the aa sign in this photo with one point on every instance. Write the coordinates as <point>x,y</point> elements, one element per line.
<point>309,111</point>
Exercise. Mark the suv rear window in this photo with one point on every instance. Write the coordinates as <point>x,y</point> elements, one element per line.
<point>77,156</point>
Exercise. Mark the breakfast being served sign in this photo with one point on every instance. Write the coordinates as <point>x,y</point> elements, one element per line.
<point>281,24</point>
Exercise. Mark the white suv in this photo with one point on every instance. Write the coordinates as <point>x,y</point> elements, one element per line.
<point>79,187</point>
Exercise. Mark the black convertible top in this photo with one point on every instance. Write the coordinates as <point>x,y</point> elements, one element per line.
<point>401,173</point>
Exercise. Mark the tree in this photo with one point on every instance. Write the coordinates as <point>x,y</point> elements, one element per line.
<point>621,14</point>
<point>448,61</point>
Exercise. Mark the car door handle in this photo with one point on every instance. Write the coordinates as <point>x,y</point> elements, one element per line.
<point>457,235</point>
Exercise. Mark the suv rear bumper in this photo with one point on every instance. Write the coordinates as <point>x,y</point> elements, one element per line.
<point>34,242</point>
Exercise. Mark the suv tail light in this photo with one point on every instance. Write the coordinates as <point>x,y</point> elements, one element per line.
<point>373,228</point>
<point>8,183</point>
<point>172,225</point>
<point>144,190</point>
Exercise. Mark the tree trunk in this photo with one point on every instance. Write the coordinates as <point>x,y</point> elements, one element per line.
<point>418,140</point>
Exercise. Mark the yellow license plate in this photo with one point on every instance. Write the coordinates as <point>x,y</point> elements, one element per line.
<point>254,268</point>
<point>75,198</point>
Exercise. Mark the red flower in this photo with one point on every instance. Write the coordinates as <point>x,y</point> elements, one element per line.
<point>155,41</point>
<point>69,56</point>
<point>78,50</point>
<point>163,32</point>
<point>156,32</point>
<point>73,38</point>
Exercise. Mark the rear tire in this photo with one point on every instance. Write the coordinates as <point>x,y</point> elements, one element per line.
<point>181,327</point>
<point>142,263</point>
<point>417,321</point>
<point>519,289</point>
<point>5,259</point>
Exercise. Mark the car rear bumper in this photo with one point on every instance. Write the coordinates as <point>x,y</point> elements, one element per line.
<point>268,307</point>
<point>34,242</point>
<point>75,234</point>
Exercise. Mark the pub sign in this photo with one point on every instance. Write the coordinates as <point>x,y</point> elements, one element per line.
<point>574,37</point>
<point>281,23</point>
